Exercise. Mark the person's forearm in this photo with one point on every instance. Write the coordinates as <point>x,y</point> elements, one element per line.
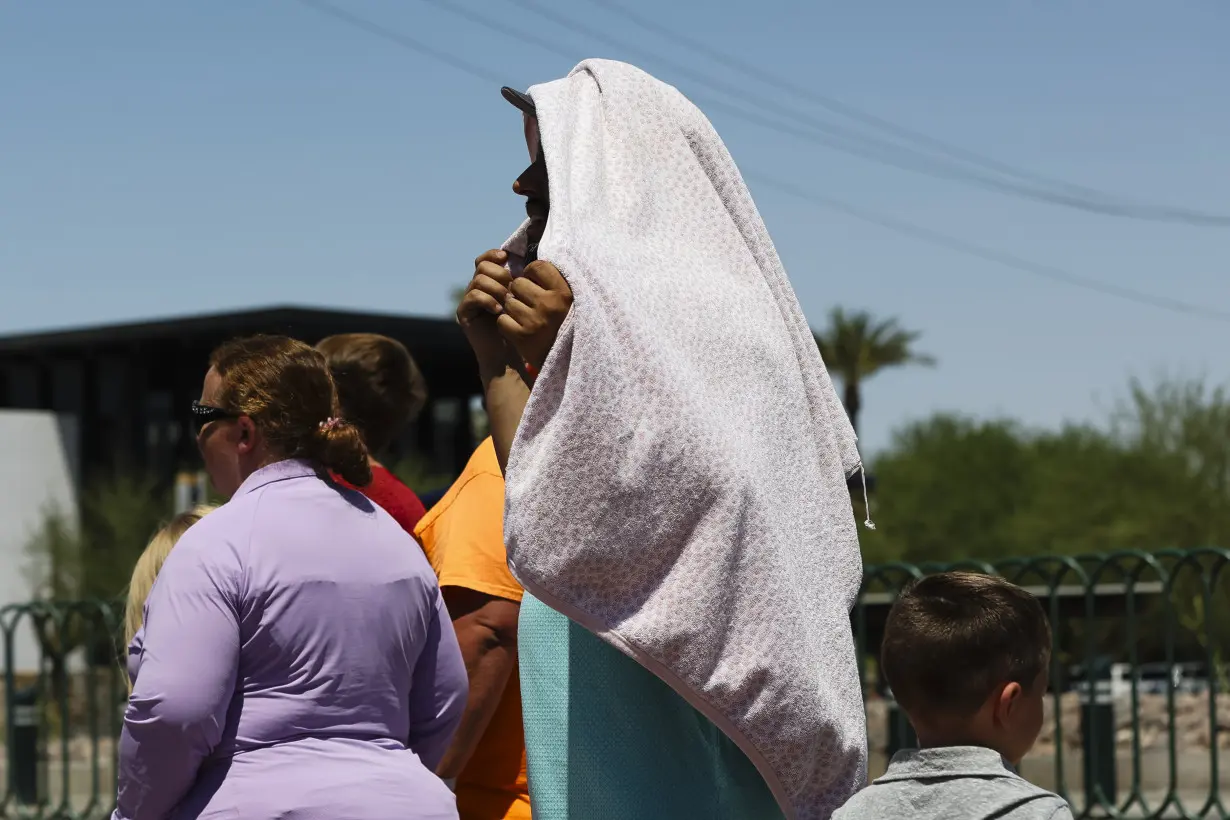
<point>507,394</point>
<point>489,668</point>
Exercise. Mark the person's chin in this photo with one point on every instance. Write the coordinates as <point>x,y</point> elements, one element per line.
<point>533,234</point>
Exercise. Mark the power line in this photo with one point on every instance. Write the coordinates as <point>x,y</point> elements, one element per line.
<point>403,40</point>
<point>829,135</point>
<point>931,166</point>
<point>1085,199</point>
<point>887,222</point>
<point>943,240</point>
<point>845,109</point>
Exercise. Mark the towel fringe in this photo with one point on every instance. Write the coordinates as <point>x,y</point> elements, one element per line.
<point>862,474</point>
<point>868,523</point>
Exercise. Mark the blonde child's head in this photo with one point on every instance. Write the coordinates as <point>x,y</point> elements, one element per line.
<point>149,564</point>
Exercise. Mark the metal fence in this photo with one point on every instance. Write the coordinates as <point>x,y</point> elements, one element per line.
<point>61,719</point>
<point>1138,722</point>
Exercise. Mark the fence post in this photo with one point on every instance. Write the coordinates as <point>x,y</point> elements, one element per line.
<point>1098,733</point>
<point>24,753</point>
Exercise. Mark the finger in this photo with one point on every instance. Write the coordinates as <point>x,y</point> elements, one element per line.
<point>526,291</point>
<point>512,330</point>
<point>545,275</point>
<point>487,285</point>
<point>523,314</point>
<point>497,256</point>
<point>477,302</point>
<point>494,271</point>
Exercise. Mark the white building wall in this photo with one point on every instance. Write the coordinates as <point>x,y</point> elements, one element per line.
<point>39,470</point>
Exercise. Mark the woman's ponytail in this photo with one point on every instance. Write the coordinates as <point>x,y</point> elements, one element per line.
<point>340,450</point>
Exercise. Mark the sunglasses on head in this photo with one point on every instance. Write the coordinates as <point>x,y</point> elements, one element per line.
<point>203,414</point>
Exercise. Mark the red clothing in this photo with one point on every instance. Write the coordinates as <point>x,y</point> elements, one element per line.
<point>396,498</point>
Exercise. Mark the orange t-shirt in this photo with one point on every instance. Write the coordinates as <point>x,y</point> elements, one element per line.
<point>463,536</point>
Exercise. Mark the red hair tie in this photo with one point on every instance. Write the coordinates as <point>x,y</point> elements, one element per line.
<point>530,369</point>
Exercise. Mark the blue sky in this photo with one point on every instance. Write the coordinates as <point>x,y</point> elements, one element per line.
<point>169,158</point>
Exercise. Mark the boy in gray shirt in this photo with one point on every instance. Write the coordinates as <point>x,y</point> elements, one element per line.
<point>966,656</point>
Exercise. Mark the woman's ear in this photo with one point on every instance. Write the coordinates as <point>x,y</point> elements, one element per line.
<point>247,434</point>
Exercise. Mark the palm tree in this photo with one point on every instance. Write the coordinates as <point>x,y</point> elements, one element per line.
<point>855,347</point>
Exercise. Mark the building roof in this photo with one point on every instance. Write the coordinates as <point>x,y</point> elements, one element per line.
<point>438,334</point>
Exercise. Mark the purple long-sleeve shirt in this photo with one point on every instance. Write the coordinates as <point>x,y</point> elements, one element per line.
<point>296,661</point>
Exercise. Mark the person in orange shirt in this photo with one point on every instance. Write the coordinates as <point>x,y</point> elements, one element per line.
<point>463,536</point>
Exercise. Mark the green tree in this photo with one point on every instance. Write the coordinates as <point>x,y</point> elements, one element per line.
<point>948,489</point>
<point>1185,423</point>
<point>1090,491</point>
<point>119,514</point>
<point>856,346</point>
<point>53,553</point>
<point>1156,476</point>
<point>952,488</point>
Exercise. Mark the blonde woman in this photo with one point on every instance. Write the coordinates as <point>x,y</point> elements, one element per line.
<point>143,575</point>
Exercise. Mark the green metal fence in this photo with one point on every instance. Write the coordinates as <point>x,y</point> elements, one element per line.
<point>70,707</point>
<point>1139,709</point>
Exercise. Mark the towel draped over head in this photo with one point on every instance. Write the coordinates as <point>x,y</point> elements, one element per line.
<point>678,482</point>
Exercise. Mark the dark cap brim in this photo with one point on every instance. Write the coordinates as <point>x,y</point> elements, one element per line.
<point>519,99</point>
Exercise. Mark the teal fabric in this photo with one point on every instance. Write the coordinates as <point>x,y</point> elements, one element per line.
<point>606,739</point>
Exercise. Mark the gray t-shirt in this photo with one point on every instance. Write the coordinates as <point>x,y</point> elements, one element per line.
<point>953,783</point>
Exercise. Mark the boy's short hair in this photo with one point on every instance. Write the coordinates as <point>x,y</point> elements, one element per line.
<point>379,386</point>
<point>951,638</point>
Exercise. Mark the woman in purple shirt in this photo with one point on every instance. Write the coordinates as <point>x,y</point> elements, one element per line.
<point>297,660</point>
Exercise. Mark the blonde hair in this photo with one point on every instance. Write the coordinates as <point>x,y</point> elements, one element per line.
<point>150,563</point>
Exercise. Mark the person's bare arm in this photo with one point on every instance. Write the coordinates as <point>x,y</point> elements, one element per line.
<point>486,629</point>
<point>507,393</point>
<point>511,323</point>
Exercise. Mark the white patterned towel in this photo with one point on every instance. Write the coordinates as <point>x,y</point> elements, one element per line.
<point>678,483</point>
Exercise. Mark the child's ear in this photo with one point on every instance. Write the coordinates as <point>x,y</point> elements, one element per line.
<point>1006,701</point>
